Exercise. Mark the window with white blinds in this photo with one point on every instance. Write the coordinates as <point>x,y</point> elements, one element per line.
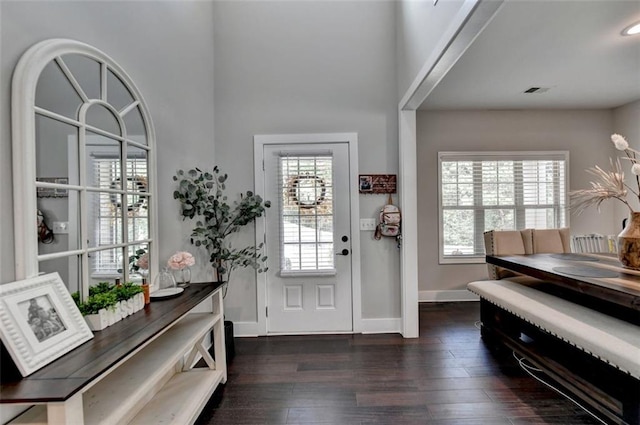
<point>481,191</point>
<point>306,213</point>
<point>113,218</point>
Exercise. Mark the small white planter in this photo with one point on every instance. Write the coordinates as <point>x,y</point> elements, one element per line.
<point>109,316</point>
<point>99,321</point>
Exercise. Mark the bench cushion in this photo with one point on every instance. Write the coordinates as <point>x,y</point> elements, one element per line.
<point>612,340</point>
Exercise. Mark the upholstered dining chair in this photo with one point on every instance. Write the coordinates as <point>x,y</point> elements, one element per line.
<point>497,242</point>
<point>551,240</point>
<point>526,241</point>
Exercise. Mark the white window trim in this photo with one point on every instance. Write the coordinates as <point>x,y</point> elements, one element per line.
<point>488,156</point>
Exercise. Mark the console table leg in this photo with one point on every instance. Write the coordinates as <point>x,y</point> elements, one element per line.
<point>219,350</point>
<point>66,413</point>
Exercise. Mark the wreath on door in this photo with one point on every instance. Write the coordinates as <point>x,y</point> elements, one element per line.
<point>303,190</point>
<point>134,184</point>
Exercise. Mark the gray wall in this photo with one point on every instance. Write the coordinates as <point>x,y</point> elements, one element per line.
<point>310,67</point>
<point>585,134</point>
<point>165,46</point>
<point>286,67</point>
<point>626,121</point>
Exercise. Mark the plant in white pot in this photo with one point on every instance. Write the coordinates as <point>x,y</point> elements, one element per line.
<point>202,198</point>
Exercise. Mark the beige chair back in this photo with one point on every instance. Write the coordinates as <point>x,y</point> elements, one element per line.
<point>527,241</point>
<point>551,240</point>
<point>499,242</point>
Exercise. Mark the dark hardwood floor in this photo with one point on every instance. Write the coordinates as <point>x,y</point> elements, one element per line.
<point>447,376</point>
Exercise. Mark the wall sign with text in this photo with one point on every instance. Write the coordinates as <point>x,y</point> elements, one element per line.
<point>378,183</point>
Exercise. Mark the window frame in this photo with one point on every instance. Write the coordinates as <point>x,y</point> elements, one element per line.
<point>480,156</point>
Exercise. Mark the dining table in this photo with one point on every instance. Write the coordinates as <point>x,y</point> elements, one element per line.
<point>596,278</point>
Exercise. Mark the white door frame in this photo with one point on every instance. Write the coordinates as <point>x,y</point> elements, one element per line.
<point>259,142</point>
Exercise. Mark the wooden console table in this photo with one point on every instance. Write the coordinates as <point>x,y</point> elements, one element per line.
<point>139,370</point>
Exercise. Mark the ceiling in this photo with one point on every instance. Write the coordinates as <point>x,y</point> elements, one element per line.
<point>573,48</point>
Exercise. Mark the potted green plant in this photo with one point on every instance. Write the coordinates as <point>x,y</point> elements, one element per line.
<point>108,304</point>
<point>202,197</point>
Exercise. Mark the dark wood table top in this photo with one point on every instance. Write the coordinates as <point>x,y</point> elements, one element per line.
<point>599,276</point>
<point>67,375</point>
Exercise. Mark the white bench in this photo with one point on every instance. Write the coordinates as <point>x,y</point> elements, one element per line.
<point>595,356</point>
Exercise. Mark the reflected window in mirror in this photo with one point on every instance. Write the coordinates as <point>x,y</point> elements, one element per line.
<point>82,131</point>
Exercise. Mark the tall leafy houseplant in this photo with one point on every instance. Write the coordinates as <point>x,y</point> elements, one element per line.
<point>202,197</point>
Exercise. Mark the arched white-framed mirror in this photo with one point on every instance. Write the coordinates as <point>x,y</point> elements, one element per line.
<point>84,156</point>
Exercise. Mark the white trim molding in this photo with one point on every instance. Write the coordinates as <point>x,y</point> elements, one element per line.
<point>472,18</point>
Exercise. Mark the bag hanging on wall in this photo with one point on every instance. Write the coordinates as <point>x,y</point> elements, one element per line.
<point>389,221</point>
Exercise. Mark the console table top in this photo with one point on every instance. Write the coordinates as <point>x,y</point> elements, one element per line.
<point>67,375</point>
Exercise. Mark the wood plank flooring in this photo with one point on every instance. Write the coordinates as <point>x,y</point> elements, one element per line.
<point>446,377</point>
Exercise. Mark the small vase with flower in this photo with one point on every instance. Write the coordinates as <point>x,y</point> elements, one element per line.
<point>180,263</point>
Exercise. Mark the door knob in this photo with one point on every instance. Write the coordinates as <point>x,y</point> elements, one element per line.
<point>343,252</point>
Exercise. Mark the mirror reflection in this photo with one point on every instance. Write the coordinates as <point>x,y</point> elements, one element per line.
<point>135,124</point>
<point>55,92</point>
<point>100,117</point>
<point>117,93</point>
<point>56,149</point>
<point>86,72</point>
<point>92,157</point>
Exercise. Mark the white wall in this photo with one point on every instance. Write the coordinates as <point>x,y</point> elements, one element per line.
<point>585,134</point>
<point>310,67</point>
<point>420,25</point>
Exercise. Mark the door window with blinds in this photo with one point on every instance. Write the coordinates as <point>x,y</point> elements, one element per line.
<point>306,214</point>
<point>482,191</point>
<point>116,208</point>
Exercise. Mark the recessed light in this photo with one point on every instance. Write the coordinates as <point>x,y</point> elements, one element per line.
<point>632,29</point>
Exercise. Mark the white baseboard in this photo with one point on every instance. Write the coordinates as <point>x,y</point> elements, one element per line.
<point>245,329</point>
<point>381,326</point>
<point>369,326</point>
<point>447,296</point>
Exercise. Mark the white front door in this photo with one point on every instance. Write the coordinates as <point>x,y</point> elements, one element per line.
<point>308,238</point>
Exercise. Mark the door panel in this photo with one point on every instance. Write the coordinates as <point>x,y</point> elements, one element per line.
<point>308,233</point>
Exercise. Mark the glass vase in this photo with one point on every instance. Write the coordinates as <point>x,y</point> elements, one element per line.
<point>165,280</point>
<point>183,276</point>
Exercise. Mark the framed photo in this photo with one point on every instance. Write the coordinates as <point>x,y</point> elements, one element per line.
<point>39,321</point>
<point>366,183</point>
<point>378,183</point>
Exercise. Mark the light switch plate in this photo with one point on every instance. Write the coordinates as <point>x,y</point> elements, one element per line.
<point>60,227</point>
<point>368,224</point>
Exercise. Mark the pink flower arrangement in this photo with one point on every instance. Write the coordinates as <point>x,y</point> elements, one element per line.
<point>180,260</point>
<point>143,262</point>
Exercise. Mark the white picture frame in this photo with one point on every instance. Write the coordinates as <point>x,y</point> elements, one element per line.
<point>39,321</point>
